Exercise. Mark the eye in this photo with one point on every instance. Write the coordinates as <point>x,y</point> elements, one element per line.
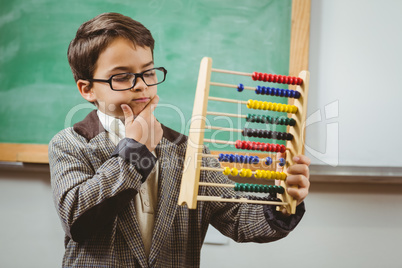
<point>150,73</point>
<point>122,77</point>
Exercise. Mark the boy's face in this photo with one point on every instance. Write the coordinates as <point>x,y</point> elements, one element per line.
<point>120,57</point>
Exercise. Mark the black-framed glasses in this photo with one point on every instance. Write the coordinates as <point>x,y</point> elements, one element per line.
<point>126,81</point>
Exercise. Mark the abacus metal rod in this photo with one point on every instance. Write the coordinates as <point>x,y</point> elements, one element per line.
<point>227,100</point>
<point>240,200</point>
<point>216,184</point>
<point>220,141</point>
<point>224,129</point>
<point>230,72</point>
<point>229,85</point>
<point>226,114</point>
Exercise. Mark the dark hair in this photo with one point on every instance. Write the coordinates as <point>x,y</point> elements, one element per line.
<point>96,34</point>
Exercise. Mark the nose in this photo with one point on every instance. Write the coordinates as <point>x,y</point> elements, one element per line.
<point>139,85</point>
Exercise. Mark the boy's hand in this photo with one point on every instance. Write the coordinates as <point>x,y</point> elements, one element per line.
<point>144,128</point>
<point>298,177</point>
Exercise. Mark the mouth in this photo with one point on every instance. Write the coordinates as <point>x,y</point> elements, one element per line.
<point>141,100</point>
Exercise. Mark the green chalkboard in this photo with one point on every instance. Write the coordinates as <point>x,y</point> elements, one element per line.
<point>38,95</point>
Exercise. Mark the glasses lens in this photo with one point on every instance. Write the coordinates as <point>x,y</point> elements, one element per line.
<point>153,77</point>
<point>122,81</point>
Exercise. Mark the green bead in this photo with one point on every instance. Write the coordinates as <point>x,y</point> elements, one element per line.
<point>241,187</point>
<point>292,122</point>
<point>236,188</point>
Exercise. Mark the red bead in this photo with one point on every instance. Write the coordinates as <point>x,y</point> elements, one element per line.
<point>238,144</point>
<point>265,147</point>
<point>269,147</point>
<point>254,76</point>
<point>283,149</point>
<point>244,144</point>
<point>260,76</point>
<point>292,80</point>
<point>300,81</point>
<point>280,79</point>
<point>265,77</point>
<point>275,78</point>
<point>285,79</point>
<point>270,78</point>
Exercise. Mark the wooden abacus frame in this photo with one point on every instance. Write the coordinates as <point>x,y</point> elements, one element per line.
<point>191,175</point>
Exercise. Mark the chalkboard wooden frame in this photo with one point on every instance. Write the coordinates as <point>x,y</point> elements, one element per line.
<point>299,49</point>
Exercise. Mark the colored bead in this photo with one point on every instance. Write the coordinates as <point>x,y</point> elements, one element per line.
<point>258,90</point>
<point>234,172</point>
<point>231,158</point>
<point>297,94</point>
<point>243,172</point>
<point>282,162</point>
<point>268,161</point>
<point>240,87</point>
<point>258,174</point>
<point>226,171</point>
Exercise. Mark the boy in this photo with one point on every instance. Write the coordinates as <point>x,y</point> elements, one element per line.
<point>116,174</point>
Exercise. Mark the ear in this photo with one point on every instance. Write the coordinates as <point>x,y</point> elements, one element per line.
<point>86,90</point>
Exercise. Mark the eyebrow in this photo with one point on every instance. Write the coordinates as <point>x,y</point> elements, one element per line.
<point>125,68</point>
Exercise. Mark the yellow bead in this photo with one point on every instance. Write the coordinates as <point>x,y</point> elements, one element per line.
<point>234,172</point>
<point>273,174</point>
<point>294,109</point>
<point>260,105</point>
<point>269,107</point>
<point>274,107</point>
<point>249,173</point>
<point>249,104</point>
<point>285,108</point>
<point>278,175</point>
<point>243,172</point>
<point>258,174</point>
<point>267,175</point>
<point>264,105</point>
<point>256,105</point>
<point>226,171</point>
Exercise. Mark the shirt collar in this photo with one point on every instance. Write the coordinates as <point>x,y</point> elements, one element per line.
<point>112,125</point>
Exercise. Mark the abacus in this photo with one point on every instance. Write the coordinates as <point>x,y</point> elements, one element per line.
<point>294,138</point>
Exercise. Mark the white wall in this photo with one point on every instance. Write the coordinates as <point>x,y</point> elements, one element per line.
<point>355,64</point>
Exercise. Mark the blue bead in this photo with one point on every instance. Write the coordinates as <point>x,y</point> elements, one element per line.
<point>240,87</point>
<point>282,93</point>
<point>292,94</point>
<point>256,160</point>
<point>297,94</point>
<point>225,158</point>
<point>269,91</point>
<point>237,158</point>
<point>241,159</point>
<point>282,162</point>
<point>231,158</point>
<point>258,90</point>
<point>251,159</point>
<point>220,157</point>
<point>287,93</point>
<point>246,159</point>
<point>268,161</point>
<point>263,91</point>
<point>277,92</point>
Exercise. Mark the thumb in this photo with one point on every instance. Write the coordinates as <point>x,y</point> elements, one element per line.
<point>128,114</point>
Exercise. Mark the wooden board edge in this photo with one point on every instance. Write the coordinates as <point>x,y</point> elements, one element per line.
<point>27,153</point>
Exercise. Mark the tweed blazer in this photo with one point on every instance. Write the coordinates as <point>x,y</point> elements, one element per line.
<point>94,183</point>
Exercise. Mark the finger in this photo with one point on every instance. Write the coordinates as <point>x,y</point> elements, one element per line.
<point>298,193</point>
<point>150,107</point>
<point>302,159</point>
<point>298,180</point>
<point>128,114</point>
<point>301,169</point>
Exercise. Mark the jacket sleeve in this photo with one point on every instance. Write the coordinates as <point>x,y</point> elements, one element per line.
<point>245,222</point>
<point>87,198</point>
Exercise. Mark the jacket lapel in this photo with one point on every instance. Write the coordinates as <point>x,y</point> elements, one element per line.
<point>128,225</point>
<point>169,181</point>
